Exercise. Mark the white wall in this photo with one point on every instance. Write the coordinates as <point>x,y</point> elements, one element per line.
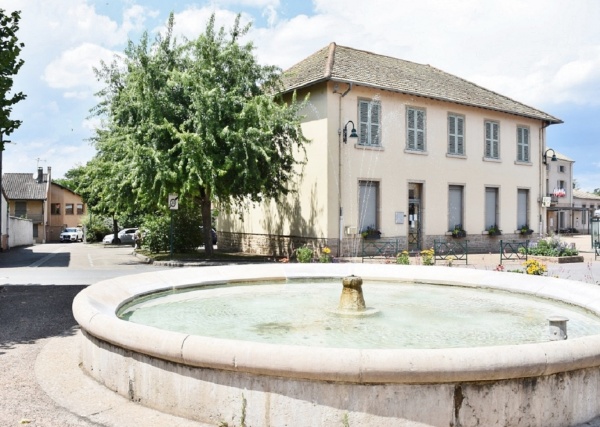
<point>20,232</point>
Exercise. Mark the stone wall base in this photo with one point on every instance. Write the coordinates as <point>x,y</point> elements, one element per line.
<point>284,246</point>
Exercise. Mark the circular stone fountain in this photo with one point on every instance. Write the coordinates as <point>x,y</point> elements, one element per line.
<point>218,380</point>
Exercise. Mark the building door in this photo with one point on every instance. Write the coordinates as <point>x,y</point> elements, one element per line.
<point>414,217</point>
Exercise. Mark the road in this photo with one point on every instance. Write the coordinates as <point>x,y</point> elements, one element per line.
<point>37,287</point>
<point>68,264</point>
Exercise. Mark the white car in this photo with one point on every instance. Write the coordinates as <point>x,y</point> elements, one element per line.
<point>71,235</point>
<point>126,235</point>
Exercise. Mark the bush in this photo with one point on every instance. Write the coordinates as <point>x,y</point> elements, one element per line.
<point>304,254</point>
<point>187,236</point>
<point>552,246</point>
<point>402,258</point>
<point>427,256</point>
<point>96,228</point>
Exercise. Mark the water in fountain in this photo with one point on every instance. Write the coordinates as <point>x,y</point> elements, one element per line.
<point>411,316</point>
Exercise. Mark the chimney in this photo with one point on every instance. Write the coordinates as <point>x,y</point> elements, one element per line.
<point>40,177</point>
<point>49,174</point>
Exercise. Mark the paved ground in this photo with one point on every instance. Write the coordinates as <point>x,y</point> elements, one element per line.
<point>40,383</point>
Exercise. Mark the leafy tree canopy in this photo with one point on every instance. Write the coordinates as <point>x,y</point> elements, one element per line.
<point>198,118</point>
<point>10,48</point>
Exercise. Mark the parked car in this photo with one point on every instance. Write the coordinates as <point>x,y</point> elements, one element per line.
<point>126,235</point>
<point>72,234</point>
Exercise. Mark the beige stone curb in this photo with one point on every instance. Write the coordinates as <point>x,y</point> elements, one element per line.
<point>58,374</point>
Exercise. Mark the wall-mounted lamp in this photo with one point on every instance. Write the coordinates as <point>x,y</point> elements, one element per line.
<point>553,158</point>
<point>353,133</point>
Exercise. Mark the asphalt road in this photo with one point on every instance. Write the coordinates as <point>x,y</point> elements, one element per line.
<point>37,287</point>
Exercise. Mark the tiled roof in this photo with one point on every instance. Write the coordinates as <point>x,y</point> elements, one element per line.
<point>344,64</point>
<point>585,195</point>
<point>24,186</point>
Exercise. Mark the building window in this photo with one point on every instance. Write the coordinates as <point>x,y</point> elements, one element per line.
<point>21,209</point>
<point>455,206</point>
<point>368,195</point>
<point>561,168</point>
<point>491,207</point>
<point>79,208</point>
<point>583,215</point>
<point>456,134</point>
<point>492,140</point>
<point>69,209</point>
<point>55,209</point>
<point>369,123</point>
<point>522,208</point>
<point>523,144</point>
<point>415,129</point>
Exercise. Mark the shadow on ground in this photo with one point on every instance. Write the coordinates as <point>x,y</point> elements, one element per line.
<point>29,313</point>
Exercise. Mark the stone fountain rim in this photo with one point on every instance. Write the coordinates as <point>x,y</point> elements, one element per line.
<point>95,310</point>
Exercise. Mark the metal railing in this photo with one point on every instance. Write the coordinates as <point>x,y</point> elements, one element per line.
<point>516,250</point>
<point>450,251</point>
<point>380,248</point>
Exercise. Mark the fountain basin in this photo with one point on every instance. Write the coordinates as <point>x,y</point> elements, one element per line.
<point>224,381</point>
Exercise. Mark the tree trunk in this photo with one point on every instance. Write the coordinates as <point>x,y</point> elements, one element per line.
<point>115,231</point>
<point>206,207</point>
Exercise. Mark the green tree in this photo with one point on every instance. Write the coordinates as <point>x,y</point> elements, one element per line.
<point>597,191</point>
<point>199,118</point>
<point>10,64</point>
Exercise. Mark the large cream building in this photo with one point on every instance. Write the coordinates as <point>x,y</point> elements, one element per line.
<point>431,152</point>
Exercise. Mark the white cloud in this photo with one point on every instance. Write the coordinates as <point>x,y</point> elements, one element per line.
<point>75,68</point>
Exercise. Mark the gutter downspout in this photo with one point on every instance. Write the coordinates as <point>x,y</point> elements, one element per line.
<point>543,173</point>
<point>340,208</point>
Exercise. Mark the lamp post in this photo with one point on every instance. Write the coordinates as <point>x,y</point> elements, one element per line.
<point>553,158</point>
<point>353,133</point>
<point>344,133</point>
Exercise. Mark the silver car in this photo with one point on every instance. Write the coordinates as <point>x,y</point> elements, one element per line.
<point>126,235</point>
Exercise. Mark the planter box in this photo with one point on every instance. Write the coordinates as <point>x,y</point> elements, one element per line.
<point>558,259</point>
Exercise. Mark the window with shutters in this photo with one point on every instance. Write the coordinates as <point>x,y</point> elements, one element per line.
<point>522,144</point>
<point>456,134</point>
<point>455,206</point>
<point>492,140</point>
<point>369,122</point>
<point>522,208</point>
<point>491,207</point>
<point>415,129</point>
<point>368,202</point>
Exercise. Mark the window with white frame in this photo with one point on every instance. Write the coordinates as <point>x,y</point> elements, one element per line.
<point>369,122</point>
<point>415,129</point>
<point>522,144</point>
<point>455,206</point>
<point>491,207</point>
<point>456,134</point>
<point>368,194</point>
<point>492,140</point>
<point>522,208</point>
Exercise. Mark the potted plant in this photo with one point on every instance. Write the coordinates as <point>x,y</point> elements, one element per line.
<point>525,230</point>
<point>458,231</point>
<point>371,233</point>
<point>494,231</point>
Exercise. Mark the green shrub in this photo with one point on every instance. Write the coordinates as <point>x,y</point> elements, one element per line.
<point>187,236</point>
<point>552,246</point>
<point>304,254</point>
<point>96,228</point>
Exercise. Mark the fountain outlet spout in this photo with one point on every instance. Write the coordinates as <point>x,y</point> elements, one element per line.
<point>352,295</point>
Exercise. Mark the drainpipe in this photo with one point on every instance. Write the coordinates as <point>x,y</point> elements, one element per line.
<point>542,144</point>
<point>340,208</point>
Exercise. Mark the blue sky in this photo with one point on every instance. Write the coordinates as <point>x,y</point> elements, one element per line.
<point>544,53</point>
